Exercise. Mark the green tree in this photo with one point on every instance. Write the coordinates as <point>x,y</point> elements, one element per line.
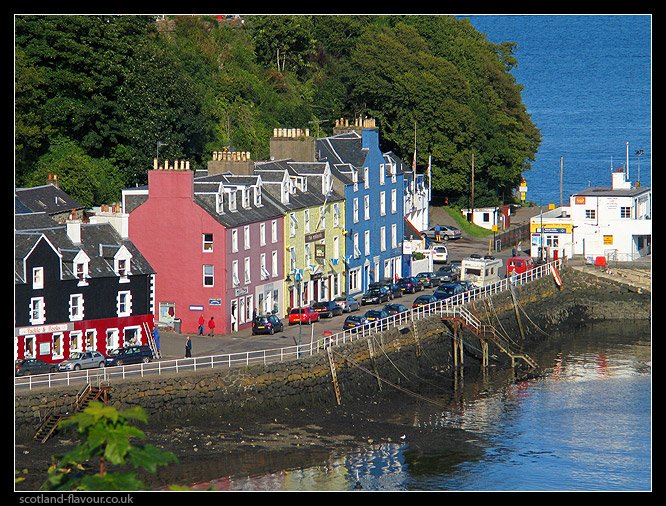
<point>107,442</point>
<point>88,180</point>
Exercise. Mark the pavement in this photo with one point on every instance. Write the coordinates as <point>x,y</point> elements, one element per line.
<point>172,344</point>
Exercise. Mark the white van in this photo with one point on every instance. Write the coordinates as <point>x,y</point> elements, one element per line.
<point>482,271</point>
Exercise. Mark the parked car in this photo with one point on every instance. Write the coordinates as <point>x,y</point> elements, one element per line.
<point>267,324</point>
<point>466,285</point>
<point>448,290</point>
<point>327,309</point>
<point>28,366</point>
<point>376,317</point>
<point>429,279</point>
<point>410,284</point>
<point>393,289</point>
<point>129,355</point>
<point>375,295</point>
<point>447,274</point>
<point>446,232</point>
<point>519,265</point>
<point>82,360</point>
<point>423,300</point>
<point>347,303</point>
<point>354,322</point>
<point>393,308</point>
<point>303,315</point>
<point>440,254</point>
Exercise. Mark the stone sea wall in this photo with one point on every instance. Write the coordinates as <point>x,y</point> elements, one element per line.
<point>582,299</point>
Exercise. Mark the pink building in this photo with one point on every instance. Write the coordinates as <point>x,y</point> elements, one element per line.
<point>215,245</point>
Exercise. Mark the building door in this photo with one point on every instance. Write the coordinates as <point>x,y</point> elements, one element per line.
<point>234,315</point>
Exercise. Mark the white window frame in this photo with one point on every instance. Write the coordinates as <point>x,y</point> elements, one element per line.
<point>394,201</point>
<point>366,177</point>
<point>78,336</point>
<point>292,259</point>
<point>292,224</point>
<point>355,210</point>
<point>366,207</point>
<point>57,351</point>
<point>366,242</point>
<point>262,262</point>
<point>262,234</point>
<point>124,298</point>
<point>274,231</point>
<point>394,235</point>
<point>382,174</point>
<point>246,237</point>
<point>37,311</point>
<point>235,280</point>
<point>382,203</point>
<point>206,275</point>
<point>307,221</point>
<point>37,278</point>
<point>76,307</point>
<point>234,240</point>
<point>274,263</point>
<point>247,274</point>
<point>336,215</point>
<point>382,238</point>
<point>232,200</point>
<point>357,251</point>
<point>207,245</point>
<point>336,246</point>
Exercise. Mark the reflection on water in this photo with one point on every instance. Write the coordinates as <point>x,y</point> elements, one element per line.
<point>584,425</point>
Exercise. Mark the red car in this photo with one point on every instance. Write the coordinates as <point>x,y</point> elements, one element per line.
<point>303,315</point>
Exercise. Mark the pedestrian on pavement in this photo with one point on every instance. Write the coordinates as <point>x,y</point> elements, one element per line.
<point>438,233</point>
<point>188,347</point>
<point>211,326</point>
<point>202,321</point>
<point>513,251</point>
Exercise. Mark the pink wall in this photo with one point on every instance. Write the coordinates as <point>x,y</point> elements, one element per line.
<point>168,230</point>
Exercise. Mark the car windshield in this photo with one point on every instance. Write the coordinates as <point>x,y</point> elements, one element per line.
<point>446,289</point>
<point>75,355</point>
<point>374,291</point>
<point>320,304</point>
<point>116,352</point>
<point>297,311</point>
<point>340,299</point>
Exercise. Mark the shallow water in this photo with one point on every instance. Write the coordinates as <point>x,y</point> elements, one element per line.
<point>585,425</point>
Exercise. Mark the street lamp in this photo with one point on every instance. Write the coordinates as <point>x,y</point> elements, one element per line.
<point>639,153</point>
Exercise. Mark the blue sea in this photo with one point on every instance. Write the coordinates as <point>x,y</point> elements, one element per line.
<point>587,84</point>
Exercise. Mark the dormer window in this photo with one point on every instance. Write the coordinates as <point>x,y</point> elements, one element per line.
<point>122,264</point>
<point>219,202</point>
<point>232,200</point>
<point>38,278</point>
<point>257,196</point>
<point>246,198</point>
<point>80,267</point>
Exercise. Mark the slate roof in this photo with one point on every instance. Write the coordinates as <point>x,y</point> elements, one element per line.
<point>342,148</point>
<point>100,241</point>
<point>46,198</point>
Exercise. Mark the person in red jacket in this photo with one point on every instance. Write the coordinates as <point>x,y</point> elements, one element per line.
<point>211,326</point>
<point>202,321</point>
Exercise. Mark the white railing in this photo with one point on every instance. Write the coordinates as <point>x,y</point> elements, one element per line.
<point>284,354</point>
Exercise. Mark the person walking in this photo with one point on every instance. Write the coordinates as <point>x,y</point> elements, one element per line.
<point>202,321</point>
<point>211,327</point>
<point>188,347</point>
<point>438,233</point>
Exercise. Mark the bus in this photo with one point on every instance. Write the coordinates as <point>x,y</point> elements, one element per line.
<point>481,271</point>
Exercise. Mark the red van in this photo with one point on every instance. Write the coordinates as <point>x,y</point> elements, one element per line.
<point>519,265</point>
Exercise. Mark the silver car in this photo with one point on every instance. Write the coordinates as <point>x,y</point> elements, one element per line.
<point>82,360</point>
<point>347,303</point>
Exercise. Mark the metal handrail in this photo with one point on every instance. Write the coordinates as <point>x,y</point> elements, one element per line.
<point>284,354</point>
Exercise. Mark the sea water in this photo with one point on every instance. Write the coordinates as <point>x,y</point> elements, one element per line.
<point>587,85</point>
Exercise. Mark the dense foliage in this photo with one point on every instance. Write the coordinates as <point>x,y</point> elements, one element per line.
<point>96,95</point>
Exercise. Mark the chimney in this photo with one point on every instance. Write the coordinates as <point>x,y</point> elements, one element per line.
<point>74,228</point>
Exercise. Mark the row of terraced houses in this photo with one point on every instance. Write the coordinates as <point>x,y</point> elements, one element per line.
<point>322,218</point>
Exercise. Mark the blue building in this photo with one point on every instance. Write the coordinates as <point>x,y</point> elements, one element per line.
<point>374,205</point>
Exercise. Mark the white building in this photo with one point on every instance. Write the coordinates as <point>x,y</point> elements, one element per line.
<point>615,223</point>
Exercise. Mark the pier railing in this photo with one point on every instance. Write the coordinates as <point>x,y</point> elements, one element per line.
<point>283,354</point>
